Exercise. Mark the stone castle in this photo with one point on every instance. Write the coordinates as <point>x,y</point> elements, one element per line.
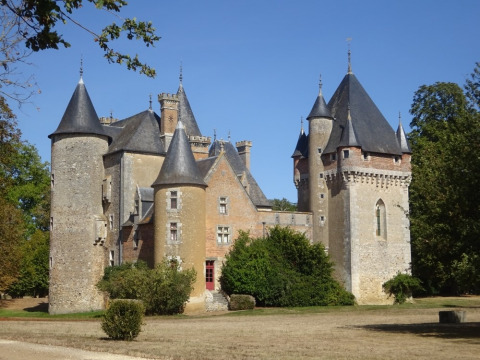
<point>152,186</point>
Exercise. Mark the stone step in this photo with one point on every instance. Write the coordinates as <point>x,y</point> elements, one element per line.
<point>216,301</point>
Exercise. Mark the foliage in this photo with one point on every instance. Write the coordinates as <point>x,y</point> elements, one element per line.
<point>444,197</point>
<point>241,302</point>
<point>164,290</point>
<point>24,211</point>
<point>11,237</point>
<point>402,286</point>
<point>33,274</point>
<point>283,269</point>
<point>123,319</point>
<point>283,205</point>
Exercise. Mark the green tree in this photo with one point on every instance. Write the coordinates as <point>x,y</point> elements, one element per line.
<point>283,205</point>
<point>444,197</point>
<point>283,269</point>
<point>33,271</point>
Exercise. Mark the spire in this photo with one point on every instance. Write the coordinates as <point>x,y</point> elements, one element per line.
<point>81,70</point>
<point>80,116</point>
<point>349,138</point>
<point>301,126</point>
<point>320,108</point>
<point>349,57</point>
<point>402,137</point>
<point>181,74</point>
<point>179,166</point>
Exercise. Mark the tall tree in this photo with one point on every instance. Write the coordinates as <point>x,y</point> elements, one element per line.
<point>445,202</point>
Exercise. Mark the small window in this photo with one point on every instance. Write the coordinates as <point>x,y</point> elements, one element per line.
<point>112,258</point>
<point>319,150</point>
<point>322,196</point>
<point>110,218</point>
<point>136,207</point>
<point>51,224</point>
<point>52,180</point>
<point>223,234</point>
<point>322,218</point>
<point>136,237</point>
<point>396,159</point>
<point>173,232</point>
<point>365,155</point>
<point>173,199</point>
<point>346,154</point>
<point>333,157</point>
<point>380,220</point>
<point>223,205</point>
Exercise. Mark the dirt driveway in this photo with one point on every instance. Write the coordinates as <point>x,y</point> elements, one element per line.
<point>364,333</point>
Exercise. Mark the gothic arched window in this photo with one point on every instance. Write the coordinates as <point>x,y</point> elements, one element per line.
<point>380,219</point>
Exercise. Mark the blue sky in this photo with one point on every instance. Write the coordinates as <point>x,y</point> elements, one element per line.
<point>251,68</point>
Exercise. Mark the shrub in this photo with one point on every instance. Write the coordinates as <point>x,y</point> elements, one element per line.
<point>241,302</point>
<point>123,319</point>
<point>401,286</point>
<point>164,290</point>
<point>283,269</point>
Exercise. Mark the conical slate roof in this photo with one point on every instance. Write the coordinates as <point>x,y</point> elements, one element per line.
<point>402,139</point>
<point>372,131</point>
<point>302,145</point>
<point>185,113</point>
<point>319,108</point>
<point>80,116</point>
<point>140,133</point>
<point>179,166</point>
<point>349,138</point>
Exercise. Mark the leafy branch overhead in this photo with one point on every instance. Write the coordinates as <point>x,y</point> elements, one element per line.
<point>37,19</point>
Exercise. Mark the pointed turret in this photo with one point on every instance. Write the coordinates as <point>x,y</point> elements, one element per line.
<point>185,113</point>
<point>349,138</point>
<point>80,116</point>
<point>372,130</point>
<point>319,108</point>
<point>402,137</point>
<point>179,166</point>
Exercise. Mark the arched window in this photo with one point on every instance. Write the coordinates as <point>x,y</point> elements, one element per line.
<point>380,219</point>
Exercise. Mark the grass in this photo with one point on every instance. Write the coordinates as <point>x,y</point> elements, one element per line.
<point>418,303</point>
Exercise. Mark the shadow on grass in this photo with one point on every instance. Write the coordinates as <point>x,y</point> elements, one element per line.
<point>42,307</point>
<point>467,330</point>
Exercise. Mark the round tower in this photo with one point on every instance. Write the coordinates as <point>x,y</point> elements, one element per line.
<point>319,130</point>
<point>180,214</point>
<point>77,223</point>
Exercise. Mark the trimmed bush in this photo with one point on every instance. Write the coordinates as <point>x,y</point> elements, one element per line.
<point>283,269</point>
<point>123,319</point>
<point>241,302</point>
<point>164,290</point>
<point>401,286</point>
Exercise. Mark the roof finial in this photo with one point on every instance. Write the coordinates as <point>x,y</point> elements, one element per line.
<point>150,101</point>
<point>81,68</point>
<point>320,84</point>
<point>214,134</point>
<point>349,56</point>
<point>229,138</point>
<point>301,124</point>
<point>111,114</point>
<point>181,73</point>
<point>399,118</point>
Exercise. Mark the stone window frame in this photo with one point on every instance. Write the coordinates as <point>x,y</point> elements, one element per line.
<point>110,221</point>
<point>224,234</point>
<point>223,205</point>
<point>365,156</point>
<point>333,157</point>
<point>174,237</point>
<point>346,153</point>
<point>397,160</point>
<point>177,195</point>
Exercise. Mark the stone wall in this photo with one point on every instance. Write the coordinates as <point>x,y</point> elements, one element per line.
<point>78,227</point>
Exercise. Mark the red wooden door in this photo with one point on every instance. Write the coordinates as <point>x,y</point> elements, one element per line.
<point>210,275</point>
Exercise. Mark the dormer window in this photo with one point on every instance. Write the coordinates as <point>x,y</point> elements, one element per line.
<point>333,157</point>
